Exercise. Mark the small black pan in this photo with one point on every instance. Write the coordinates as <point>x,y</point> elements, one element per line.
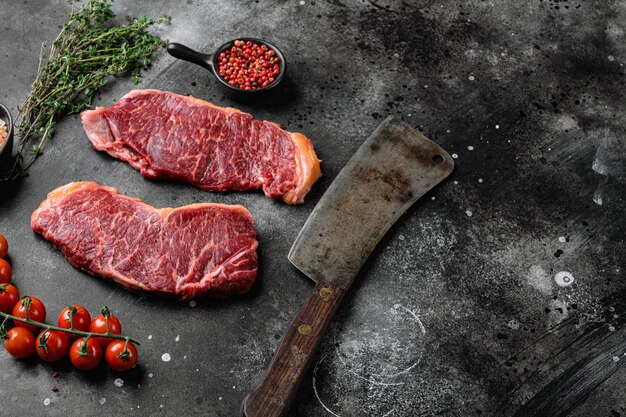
<point>6,150</point>
<point>209,62</point>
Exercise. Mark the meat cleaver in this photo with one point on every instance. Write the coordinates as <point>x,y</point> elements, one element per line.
<point>393,168</point>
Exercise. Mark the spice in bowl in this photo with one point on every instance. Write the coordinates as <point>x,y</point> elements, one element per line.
<point>249,65</point>
<point>4,132</point>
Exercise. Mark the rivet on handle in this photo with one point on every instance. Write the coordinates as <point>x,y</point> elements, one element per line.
<point>326,293</point>
<point>305,329</point>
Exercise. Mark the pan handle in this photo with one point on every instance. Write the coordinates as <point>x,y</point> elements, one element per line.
<point>185,53</point>
<point>279,386</point>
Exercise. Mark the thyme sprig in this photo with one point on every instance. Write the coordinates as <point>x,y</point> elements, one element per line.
<point>88,51</point>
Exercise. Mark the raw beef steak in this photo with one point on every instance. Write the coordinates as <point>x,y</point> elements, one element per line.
<point>165,135</point>
<point>186,251</point>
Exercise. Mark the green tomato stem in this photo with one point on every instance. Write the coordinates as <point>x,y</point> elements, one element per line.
<point>72,331</point>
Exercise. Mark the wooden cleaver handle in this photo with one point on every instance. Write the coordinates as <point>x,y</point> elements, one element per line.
<point>278,388</point>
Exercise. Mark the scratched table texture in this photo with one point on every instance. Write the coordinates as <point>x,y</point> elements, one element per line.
<point>500,293</point>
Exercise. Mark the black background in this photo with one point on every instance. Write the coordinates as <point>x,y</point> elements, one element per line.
<point>457,312</point>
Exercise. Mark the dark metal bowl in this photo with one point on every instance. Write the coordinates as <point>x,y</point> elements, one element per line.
<point>6,150</point>
<point>209,61</point>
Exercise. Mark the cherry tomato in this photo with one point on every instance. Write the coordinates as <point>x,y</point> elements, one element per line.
<point>5,272</point>
<point>80,318</point>
<point>21,342</point>
<point>4,247</point>
<point>85,353</point>
<point>120,359</point>
<point>52,345</point>
<point>36,312</point>
<point>9,296</point>
<point>98,325</point>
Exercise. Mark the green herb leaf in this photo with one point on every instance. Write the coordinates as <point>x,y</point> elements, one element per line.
<point>90,49</point>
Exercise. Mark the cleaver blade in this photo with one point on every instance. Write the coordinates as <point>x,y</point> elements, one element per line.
<point>393,168</point>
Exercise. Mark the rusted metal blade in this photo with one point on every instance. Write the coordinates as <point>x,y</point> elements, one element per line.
<point>393,168</point>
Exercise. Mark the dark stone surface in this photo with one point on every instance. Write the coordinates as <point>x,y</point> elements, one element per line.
<point>458,311</point>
